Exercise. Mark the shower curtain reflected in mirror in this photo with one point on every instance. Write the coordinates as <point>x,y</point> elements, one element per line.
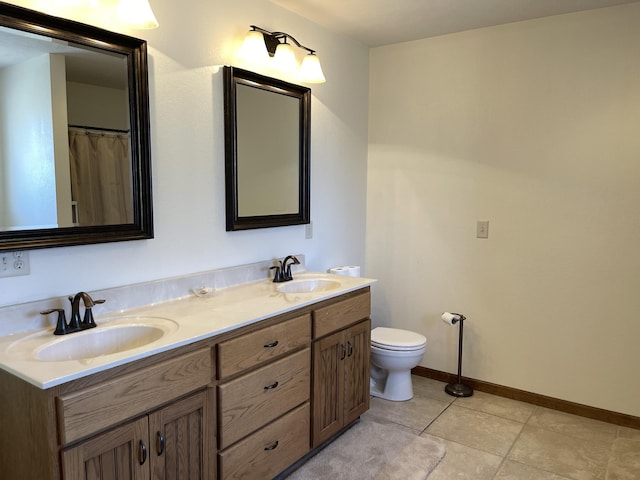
<point>100,176</point>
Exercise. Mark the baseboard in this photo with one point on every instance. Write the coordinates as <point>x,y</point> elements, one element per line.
<point>534,398</point>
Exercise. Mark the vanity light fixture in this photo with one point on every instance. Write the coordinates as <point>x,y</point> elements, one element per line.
<point>129,13</point>
<point>137,14</point>
<point>260,44</point>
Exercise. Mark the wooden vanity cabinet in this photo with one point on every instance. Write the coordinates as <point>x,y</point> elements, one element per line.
<point>113,454</point>
<point>341,350</point>
<point>98,426</point>
<point>171,442</point>
<point>248,403</point>
<point>167,444</point>
<point>263,399</point>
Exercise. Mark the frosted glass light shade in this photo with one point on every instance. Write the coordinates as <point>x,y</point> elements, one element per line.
<point>253,49</point>
<point>311,70</point>
<point>137,14</point>
<point>285,59</point>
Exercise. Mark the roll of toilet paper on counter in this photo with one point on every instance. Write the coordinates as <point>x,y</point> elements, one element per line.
<point>348,270</point>
<point>450,318</point>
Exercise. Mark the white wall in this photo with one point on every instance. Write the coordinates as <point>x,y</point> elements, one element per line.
<point>534,127</point>
<point>195,39</point>
<point>28,147</point>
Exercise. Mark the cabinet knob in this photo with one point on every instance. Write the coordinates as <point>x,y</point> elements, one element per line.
<point>142,453</point>
<point>272,386</point>
<point>160,444</point>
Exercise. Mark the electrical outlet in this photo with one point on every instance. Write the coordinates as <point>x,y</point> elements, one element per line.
<point>308,230</point>
<point>482,229</point>
<point>13,264</point>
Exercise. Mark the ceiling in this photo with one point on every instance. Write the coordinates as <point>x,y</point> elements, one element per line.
<point>383,22</point>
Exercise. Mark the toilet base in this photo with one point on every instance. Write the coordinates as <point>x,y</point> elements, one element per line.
<point>396,386</point>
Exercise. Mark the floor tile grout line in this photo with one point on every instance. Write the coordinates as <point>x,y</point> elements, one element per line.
<point>496,415</point>
<point>504,458</point>
<point>606,468</point>
<point>437,416</point>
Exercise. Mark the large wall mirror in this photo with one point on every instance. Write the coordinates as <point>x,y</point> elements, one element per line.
<point>267,131</point>
<point>75,164</point>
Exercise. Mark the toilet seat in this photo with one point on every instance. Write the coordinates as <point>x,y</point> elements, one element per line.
<point>395,339</point>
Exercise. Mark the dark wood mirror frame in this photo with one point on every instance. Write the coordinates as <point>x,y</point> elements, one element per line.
<point>135,50</point>
<point>232,77</point>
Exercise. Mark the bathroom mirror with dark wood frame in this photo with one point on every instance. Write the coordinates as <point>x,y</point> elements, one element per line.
<point>35,177</point>
<point>267,135</point>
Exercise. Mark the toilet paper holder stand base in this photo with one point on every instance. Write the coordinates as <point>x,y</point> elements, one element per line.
<point>458,389</point>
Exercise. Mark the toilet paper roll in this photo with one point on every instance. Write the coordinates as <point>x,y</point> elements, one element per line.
<point>450,318</point>
<point>348,270</point>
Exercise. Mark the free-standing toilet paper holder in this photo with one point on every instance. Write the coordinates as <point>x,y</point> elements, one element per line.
<point>457,389</point>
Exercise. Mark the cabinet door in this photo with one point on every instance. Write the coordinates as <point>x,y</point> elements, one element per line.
<point>356,371</point>
<point>119,454</point>
<point>328,387</point>
<point>181,438</point>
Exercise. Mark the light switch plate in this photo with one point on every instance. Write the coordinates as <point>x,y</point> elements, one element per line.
<point>482,229</point>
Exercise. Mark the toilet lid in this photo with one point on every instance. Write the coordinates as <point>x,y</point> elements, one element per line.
<point>396,339</point>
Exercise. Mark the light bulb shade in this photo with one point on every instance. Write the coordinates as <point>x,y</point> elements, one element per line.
<point>310,70</point>
<point>285,59</point>
<point>253,50</point>
<point>137,14</point>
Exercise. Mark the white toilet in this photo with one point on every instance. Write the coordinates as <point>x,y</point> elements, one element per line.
<point>394,353</point>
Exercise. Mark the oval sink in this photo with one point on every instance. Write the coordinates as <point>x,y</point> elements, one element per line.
<point>308,286</point>
<point>115,336</point>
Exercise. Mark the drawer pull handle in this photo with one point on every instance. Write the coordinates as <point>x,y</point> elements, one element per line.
<point>344,351</point>
<point>350,349</point>
<point>272,386</point>
<point>142,453</point>
<point>271,345</point>
<point>271,447</point>
<point>160,444</point>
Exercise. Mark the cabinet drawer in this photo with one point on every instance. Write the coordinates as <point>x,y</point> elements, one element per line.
<point>249,402</point>
<point>87,411</point>
<point>257,347</point>
<point>341,314</point>
<point>268,451</point>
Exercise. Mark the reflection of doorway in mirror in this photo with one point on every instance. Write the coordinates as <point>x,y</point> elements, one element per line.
<point>100,176</point>
<point>99,147</point>
<point>268,146</point>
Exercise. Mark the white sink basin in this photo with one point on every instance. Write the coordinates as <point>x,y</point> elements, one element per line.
<point>115,336</point>
<point>308,285</point>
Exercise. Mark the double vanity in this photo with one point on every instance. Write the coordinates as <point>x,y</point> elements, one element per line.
<point>238,383</point>
<point>234,381</point>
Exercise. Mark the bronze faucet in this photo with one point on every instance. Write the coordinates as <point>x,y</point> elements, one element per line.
<point>283,269</point>
<point>75,325</point>
<point>286,268</point>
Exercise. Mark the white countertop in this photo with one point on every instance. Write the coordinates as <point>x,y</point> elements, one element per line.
<point>197,318</point>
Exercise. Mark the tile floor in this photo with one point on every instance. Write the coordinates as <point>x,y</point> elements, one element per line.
<point>491,437</point>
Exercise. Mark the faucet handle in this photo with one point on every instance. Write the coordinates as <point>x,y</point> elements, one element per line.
<point>277,277</point>
<point>88,321</point>
<point>61,324</point>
